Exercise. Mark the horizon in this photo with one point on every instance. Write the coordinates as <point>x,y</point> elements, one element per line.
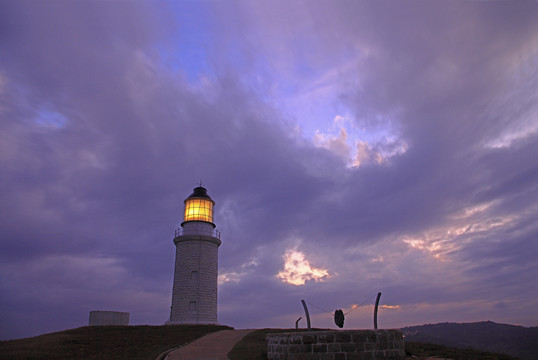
<point>351,148</point>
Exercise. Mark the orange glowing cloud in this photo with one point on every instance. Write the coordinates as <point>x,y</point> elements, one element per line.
<point>297,269</point>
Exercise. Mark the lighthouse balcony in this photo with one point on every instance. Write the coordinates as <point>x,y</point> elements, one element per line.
<point>192,229</point>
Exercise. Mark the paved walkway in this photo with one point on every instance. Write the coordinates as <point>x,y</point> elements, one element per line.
<point>214,346</point>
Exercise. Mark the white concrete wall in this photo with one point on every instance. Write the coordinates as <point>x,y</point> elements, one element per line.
<point>99,318</point>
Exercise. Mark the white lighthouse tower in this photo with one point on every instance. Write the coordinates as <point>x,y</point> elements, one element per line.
<point>194,294</point>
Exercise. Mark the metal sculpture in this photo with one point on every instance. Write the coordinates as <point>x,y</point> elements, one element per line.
<point>307,315</point>
<point>375,310</point>
<point>339,318</point>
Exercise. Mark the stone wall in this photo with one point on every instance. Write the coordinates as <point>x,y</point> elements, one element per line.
<point>336,345</point>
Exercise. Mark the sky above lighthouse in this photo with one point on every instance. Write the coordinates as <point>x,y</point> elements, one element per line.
<point>351,147</point>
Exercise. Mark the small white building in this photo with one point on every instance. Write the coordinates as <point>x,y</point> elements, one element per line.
<point>100,318</point>
<point>194,293</point>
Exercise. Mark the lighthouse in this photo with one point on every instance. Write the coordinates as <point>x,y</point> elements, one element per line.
<point>194,293</point>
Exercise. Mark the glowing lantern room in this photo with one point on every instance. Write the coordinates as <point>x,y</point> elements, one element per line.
<point>199,207</point>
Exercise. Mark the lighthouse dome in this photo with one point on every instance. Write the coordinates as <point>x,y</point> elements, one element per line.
<point>200,192</point>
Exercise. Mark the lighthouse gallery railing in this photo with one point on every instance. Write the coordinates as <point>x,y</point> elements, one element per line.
<point>197,231</point>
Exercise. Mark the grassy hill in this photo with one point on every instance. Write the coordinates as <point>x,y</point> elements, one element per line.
<point>104,342</point>
<point>148,342</point>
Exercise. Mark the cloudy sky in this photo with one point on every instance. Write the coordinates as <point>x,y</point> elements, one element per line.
<point>351,147</point>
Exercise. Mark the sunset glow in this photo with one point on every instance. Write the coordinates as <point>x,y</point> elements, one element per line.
<point>297,269</point>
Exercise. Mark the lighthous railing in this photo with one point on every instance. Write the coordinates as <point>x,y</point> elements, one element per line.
<point>198,231</point>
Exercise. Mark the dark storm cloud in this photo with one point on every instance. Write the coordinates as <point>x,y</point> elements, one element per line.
<point>101,142</point>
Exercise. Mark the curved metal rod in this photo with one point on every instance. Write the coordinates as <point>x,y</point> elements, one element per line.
<point>307,315</point>
<point>375,310</point>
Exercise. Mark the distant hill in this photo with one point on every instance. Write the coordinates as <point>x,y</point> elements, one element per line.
<point>514,340</point>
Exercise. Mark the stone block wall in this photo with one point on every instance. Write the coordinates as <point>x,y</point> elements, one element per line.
<point>336,345</point>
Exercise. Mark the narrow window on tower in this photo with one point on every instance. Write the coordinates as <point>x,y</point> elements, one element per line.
<point>192,306</point>
<point>194,275</point>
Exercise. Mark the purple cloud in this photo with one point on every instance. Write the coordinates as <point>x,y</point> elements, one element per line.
<point>110,113</point>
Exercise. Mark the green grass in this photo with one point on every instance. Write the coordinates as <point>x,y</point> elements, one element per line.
<point>253,347</point>
<point>104,342</point>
